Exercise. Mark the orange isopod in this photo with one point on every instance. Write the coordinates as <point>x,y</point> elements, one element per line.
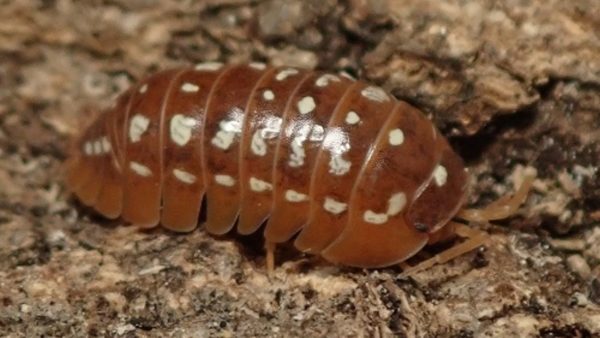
<point>361,178</point>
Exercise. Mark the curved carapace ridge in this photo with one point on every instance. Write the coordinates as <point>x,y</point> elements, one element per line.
<point>362,178</point>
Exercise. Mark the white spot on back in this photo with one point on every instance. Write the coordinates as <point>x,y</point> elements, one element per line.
<point>374,218</point>
<point>268,95</point>
<point>180,129</point>
<point>259,185</point>
<point>440,175</point>
<point>184,176</point>
<point>88,148</point>
<point>317,133</point>
<point>257,65</point>
<point>209,66</point>
<point>258,144</point>
<point>336,141</point>
<point>225,136</point>
<point>272,128</point>
<point>375,94</point>
<point>137,126</point>
<point>298,154</point>
<point>324,80</point>
<point>396,137</point>
<point>224,180</point>
<point>284,74</point>
<point>338,166</point>
<point>396,203</point>
<point>294,196</point>
<point>189,88</point>
<point>140,169</point>
<point>106,147</point>
<point>143,88</point>
<point>98,147</point>
<point>314,133</point>
<point>306,105</point>
<point>352,118</point>
<point>270,131</point>
<point>334,206</point>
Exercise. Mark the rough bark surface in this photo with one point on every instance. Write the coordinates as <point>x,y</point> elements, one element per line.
<point>514,83</point>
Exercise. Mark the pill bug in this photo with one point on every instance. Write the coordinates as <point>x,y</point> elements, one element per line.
<point>361,178</point>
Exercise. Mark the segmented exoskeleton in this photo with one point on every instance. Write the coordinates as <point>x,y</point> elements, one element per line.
<point>364,179</point>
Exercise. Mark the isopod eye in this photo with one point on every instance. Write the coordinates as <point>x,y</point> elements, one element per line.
<point>421,227</point>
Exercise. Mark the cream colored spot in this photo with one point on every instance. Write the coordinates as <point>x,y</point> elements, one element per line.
<point>306,105</point>
<point>374,218</point>
<point>259,185</point>
<point>313,133</point>
<point>88,148</point>
<point>325,79</point>
<point>334,206</point>
<point>140,169</point>
<point>258,144</point>
<point>106,147</point>
<point>223,139</point>
<point>225,180</point>
<point>338,166</point>
<point>396,203</point>
<point>143,88</point>
<point>180,129</point>
<point>440,175</point>
<point>138,126</point>
<point>352,118</point>
<point>257,65</point>
<point>184,176</point>
<point>209,66</point>
<point>97,147</point>
<point>225,136</point>
<point>270,131</point>
<point>375,94</point>
<point>317,133</point>
<point>189,88</point>
<point>336,141</point>
<point>294,196</point>
<point>284,74</point>
<point>268,95</point>
<point>298,154</point>
<point>396,137</point>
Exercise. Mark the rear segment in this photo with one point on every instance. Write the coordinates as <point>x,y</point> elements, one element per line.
<point>94,169</point>
<point>444,194</point>
<point>402,159</point>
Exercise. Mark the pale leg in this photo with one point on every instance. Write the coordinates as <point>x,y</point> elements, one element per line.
<point>502,208</point>
<point>270,247</point>
<point>475,239</point>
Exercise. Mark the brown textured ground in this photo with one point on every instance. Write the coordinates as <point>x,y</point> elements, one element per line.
<point>516,84</point>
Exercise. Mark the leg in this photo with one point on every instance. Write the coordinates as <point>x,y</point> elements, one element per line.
<point>502,208</point>
<point>475,238</point>
<point>270,247</point>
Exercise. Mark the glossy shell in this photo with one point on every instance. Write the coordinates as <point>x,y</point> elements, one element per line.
<point>362,178</point>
